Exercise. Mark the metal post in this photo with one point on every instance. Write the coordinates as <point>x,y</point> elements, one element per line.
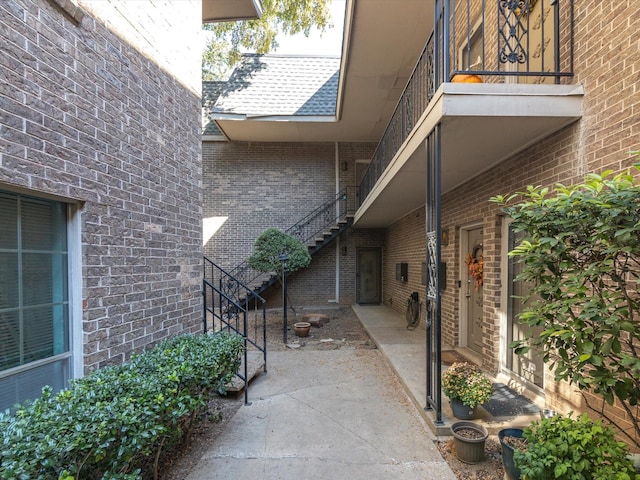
<point>284,258</point>
<point>434,287</point>
<point>556,26</point>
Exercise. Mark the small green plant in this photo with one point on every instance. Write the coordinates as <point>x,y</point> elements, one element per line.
<point>116,422</point>
<point>467,383</point>
<point>564,448</point>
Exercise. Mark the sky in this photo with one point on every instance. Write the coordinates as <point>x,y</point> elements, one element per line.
<point>329,44</point>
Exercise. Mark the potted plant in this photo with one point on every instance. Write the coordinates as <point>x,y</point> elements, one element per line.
<point>511,439</point>
<point>565,448</point>
<point>467,387</point>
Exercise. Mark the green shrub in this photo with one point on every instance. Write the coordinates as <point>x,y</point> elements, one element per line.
<point>268,247</point>
<point>565,448</point>
<point>580,254</point>
<point>113,423</point>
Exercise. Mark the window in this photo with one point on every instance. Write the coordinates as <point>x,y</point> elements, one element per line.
<point>528,366</point>
<point>471,53</point>
<point>34,297</point>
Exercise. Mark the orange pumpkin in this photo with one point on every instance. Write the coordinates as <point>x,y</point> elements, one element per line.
<point>466,79</point>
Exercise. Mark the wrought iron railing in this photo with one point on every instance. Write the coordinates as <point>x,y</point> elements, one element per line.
<point>502,41</point>
<point>231,306</point>
<point>307,230</point>
<point>325,216</point>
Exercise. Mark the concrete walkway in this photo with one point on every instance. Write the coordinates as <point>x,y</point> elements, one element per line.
<point>406,352</point>
<point>325,414</point>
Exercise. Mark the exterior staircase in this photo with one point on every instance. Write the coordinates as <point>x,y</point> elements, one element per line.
<point>316,230</point>
<point>233,301</point>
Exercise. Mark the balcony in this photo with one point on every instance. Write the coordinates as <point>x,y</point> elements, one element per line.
<point>519,54</point>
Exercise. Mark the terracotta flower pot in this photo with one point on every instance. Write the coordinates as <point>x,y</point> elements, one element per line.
<point>301,329</point>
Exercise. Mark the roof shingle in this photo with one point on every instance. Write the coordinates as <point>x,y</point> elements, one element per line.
<point>265,85</point>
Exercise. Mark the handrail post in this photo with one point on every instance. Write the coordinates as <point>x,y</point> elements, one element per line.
<point>556,39</point>
<point>229,290</point>
<point>246,358</point>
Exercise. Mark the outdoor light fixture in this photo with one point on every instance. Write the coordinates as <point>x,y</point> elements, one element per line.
<point>284,259</point>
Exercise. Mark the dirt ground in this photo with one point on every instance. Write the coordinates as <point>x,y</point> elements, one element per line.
<point>489,469</point>
<point>342,331</point>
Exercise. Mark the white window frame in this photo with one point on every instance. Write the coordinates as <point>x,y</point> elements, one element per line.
<point>74,284</point>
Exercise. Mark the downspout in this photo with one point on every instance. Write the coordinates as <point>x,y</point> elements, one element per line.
<point>337,250</point>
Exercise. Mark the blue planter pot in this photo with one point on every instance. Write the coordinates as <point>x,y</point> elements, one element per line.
<point>510,468</point>
<point>462,411</point>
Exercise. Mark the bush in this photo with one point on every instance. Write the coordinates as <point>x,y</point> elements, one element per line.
<point>466,382</point>
<point>581,255</point>
<point>113,423</point>
<point>268,247</point>
<point>564,448</point>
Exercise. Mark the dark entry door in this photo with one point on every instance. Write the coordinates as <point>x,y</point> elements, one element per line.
<point>369,276</point>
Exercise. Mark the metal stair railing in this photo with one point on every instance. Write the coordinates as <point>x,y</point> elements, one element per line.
<point>228,306</point>
<point>324,222</point>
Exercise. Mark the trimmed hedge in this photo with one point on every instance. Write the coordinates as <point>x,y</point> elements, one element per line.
<point>115,422</point>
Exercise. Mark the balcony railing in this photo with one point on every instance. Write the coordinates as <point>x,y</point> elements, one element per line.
<point>500,41</point>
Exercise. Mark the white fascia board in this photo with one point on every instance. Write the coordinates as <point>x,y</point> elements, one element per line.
<point>273,118</point>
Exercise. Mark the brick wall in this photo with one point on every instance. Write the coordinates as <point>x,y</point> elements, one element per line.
<point>260,185</point>
<point>93,120</point>
<point>405,243</point>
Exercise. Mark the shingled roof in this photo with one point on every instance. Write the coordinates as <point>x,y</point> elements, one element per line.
<point>210,93</point>
<point>281,85</point>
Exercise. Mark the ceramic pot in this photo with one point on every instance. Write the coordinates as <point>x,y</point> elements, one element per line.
<point>469,440</point>
<point>462,411</point>
<point>301,329</point>
<point>511,471</point>
<point>546,413</point>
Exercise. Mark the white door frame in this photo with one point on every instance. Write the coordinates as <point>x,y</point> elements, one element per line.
<point>506,375</point>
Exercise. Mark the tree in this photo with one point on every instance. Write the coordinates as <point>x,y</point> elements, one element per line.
<point>278,16</point>
<point>266,254</point>
<point>268,247</point>
<point>582,255</point>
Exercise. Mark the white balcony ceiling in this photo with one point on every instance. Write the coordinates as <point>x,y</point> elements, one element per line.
<point>481,125</point>
<point>385,39</point>
<point>225,10</point>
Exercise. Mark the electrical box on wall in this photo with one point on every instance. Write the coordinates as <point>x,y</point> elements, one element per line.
<point>402,272</point>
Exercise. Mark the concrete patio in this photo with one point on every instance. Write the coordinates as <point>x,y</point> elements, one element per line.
<point>405,351</point>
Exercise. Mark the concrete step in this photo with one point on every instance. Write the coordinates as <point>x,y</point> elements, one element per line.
<point>255,368</point>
